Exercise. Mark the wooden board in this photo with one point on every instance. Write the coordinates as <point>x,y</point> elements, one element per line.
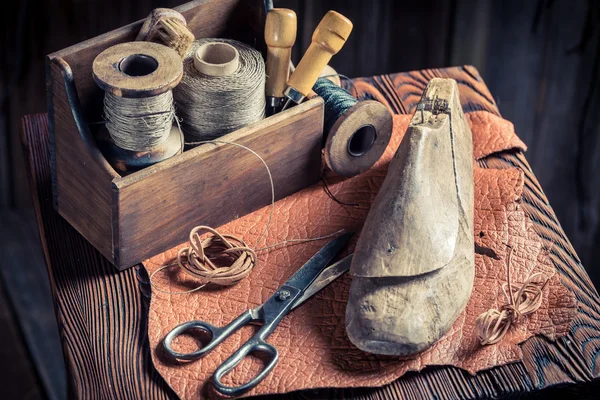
<point>30,296</point>
<point>19,380</point>
<point>106,347</point>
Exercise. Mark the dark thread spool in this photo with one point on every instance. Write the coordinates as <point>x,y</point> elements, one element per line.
<point>356,133</point>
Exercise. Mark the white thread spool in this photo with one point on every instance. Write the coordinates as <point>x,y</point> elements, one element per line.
<point>222,90</point>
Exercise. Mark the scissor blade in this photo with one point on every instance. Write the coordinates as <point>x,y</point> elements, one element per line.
<point>307,274</point>
<point>328,275</point>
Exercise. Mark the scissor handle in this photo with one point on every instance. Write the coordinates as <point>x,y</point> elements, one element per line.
<point>254,345</point>
<point>217,335</point>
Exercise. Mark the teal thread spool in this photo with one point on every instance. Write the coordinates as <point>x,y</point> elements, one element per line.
<point>356,133</point>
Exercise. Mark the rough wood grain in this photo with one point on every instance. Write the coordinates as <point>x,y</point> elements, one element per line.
<point>19,380</point>
<point>78,167</point>
<point>106,349</point>
<point>100,312</point>
<point>29,292</point>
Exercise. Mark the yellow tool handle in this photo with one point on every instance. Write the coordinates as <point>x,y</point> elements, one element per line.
<point>327,40</point>
<point>280,36</point>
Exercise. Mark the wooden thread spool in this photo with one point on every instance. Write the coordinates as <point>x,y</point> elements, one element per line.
<point>138,70</point>
<point>167,27</point>
<point>357,132</point>
<point>216,59</point>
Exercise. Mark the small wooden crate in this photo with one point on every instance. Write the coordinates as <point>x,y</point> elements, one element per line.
<point>130,218</point>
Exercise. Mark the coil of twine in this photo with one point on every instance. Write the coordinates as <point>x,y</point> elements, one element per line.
<point>492,325</point>
<point>139,124</point>
<point>212,106</point>
<point>218,258</point>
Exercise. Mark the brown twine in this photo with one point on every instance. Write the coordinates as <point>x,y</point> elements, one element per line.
<point>493,324</point>
<point>218,258</point>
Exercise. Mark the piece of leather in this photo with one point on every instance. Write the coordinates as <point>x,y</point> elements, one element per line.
<point>313,347</point>
<point>492,134</point>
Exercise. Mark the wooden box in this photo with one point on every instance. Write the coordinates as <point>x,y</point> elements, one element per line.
<point>130,218</point>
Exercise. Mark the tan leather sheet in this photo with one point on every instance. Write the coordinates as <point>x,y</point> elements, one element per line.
<point>313,347</point>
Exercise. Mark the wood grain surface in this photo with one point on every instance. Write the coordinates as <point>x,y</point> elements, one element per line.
<point>102,313</point>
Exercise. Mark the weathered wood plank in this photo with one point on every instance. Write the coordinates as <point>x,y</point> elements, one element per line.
<point>19,379</point>
<point>25,278</point>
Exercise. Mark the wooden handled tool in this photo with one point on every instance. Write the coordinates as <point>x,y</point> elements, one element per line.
<point>327,40</point>
<point>280,36</point>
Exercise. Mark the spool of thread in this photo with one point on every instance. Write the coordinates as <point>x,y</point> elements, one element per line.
<point>168,27</point>
<point>137,78</point>
<point>222,90</point>
<point>356,132</point>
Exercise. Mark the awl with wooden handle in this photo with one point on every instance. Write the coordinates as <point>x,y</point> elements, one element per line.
<point>327,40</point>
<point>280,36</point>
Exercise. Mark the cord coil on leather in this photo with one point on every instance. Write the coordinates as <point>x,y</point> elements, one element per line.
<point>492,325</point>
<point>219,258</point>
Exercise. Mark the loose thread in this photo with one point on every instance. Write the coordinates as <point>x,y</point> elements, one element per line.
<point>332,197</point>
<point>172,33</point>
<point>203,258</point>
<point>492,325</point>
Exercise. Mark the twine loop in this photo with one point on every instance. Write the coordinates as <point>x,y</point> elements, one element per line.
<point>217,258</point>
<point>492,325</point>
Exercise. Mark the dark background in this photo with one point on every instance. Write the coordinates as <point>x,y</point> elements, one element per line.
<point>540,59</point>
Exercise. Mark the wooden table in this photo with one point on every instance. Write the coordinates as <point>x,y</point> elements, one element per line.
<point>102,313</point>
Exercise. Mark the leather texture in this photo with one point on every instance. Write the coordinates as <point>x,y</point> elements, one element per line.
<point>313,347</point>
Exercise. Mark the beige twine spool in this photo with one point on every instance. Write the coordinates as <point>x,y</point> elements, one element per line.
<point>211,106</point>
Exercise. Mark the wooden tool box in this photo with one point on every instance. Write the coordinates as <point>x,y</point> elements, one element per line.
<point>130,218</point>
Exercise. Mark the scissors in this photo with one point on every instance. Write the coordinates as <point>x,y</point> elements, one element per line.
<point>308,280</point>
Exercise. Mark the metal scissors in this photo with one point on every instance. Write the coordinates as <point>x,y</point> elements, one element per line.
<point>308,280</point>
